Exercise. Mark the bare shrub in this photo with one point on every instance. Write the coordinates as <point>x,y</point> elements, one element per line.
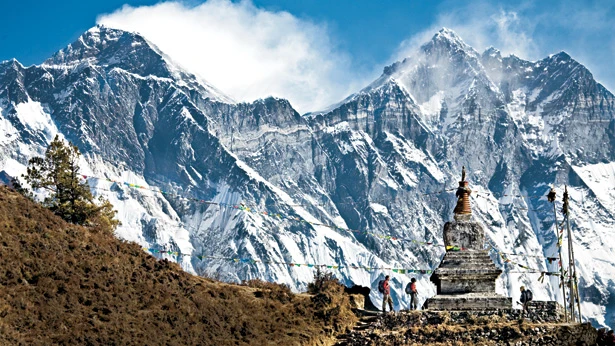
<point>270,290</point>
<point>323,282</point>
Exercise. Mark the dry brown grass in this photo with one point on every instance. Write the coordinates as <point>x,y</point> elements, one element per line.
<point>64,284</point>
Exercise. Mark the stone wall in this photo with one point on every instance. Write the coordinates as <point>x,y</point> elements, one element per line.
<point>552,313</point>
<point>472,328</point>
<point>544,311</point>
<point>554,335</point>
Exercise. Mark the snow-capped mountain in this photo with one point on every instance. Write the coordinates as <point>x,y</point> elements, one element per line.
<point>374,163</point>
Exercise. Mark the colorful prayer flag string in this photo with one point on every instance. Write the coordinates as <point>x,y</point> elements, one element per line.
<point>291,264</point>
<point>278,215</point>
<point>281,216</point>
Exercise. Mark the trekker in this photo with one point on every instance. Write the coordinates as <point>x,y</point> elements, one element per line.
<point>526,297</point>
<point>601,339</point>
<point>414,294</point>
<point>385,288</point>
<point>610,338</point>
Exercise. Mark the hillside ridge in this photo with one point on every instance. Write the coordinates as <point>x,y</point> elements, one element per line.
<point>64,284</point>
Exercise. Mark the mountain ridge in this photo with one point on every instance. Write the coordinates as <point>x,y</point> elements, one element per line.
<point>67,284</point>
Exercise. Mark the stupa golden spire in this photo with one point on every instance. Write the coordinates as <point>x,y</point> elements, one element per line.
<point>463,208</point>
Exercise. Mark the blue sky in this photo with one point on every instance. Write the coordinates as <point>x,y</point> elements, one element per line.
<point>31,31</point>
<point>313,52</point>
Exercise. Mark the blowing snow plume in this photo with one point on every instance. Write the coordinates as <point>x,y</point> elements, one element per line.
<point>246,51</point>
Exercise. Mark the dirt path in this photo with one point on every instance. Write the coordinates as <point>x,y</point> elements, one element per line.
<point>366,320</point>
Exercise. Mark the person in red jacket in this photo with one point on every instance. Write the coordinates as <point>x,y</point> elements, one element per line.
<point>387,295</point>
<point>414,294</point>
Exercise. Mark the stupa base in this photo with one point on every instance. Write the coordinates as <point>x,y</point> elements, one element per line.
<point>468,301</point>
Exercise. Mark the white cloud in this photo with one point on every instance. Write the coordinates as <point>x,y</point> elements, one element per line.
<point>513,35</point>
<point>245,51</point>
<point>531,30</point>
<point>481,25</point>
<point>248,52</point>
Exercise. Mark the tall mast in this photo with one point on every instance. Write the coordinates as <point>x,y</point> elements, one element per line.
<point>574,289</point>
<point>560,234</point>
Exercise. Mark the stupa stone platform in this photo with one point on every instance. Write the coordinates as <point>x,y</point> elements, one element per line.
<point>470,302</point>
<point>465,279</point>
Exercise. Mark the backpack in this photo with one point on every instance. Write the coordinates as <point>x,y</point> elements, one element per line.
<point>381,286</point>
<point>528,296</point>
<point>409,288</point>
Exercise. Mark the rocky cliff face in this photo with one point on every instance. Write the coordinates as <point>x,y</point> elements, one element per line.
<point>374,163</point>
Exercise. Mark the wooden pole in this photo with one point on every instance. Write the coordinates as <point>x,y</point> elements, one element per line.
<point>562,279</point>
<point>570,260</point>
<point>574,288</point>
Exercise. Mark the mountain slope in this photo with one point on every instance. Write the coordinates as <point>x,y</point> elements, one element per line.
<point>140,128</point>
<point>471,105</point>
<point>63,284</point>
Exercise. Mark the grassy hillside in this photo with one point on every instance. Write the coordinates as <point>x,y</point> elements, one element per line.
<point>64,284</point>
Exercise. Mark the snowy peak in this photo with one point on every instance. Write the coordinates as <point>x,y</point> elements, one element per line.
<point>565,64</point>
<point>492,52</point>
<point>101,43</point>
<point>447,42</point>
<point>111,49</point>
<point>444,46</point>
<point>561,56</point>
<point>10,64</point>
<point>446,36</point>
<point>491,56</point>
<point>443,73</point>
<point>12,75</point>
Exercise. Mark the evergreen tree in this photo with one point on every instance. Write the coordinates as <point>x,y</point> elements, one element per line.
<point>19,188</point>
<point>69,198</point>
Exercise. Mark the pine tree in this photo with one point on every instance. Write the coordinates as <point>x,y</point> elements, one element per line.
<point>19,188</point>
<point>69,198</point>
